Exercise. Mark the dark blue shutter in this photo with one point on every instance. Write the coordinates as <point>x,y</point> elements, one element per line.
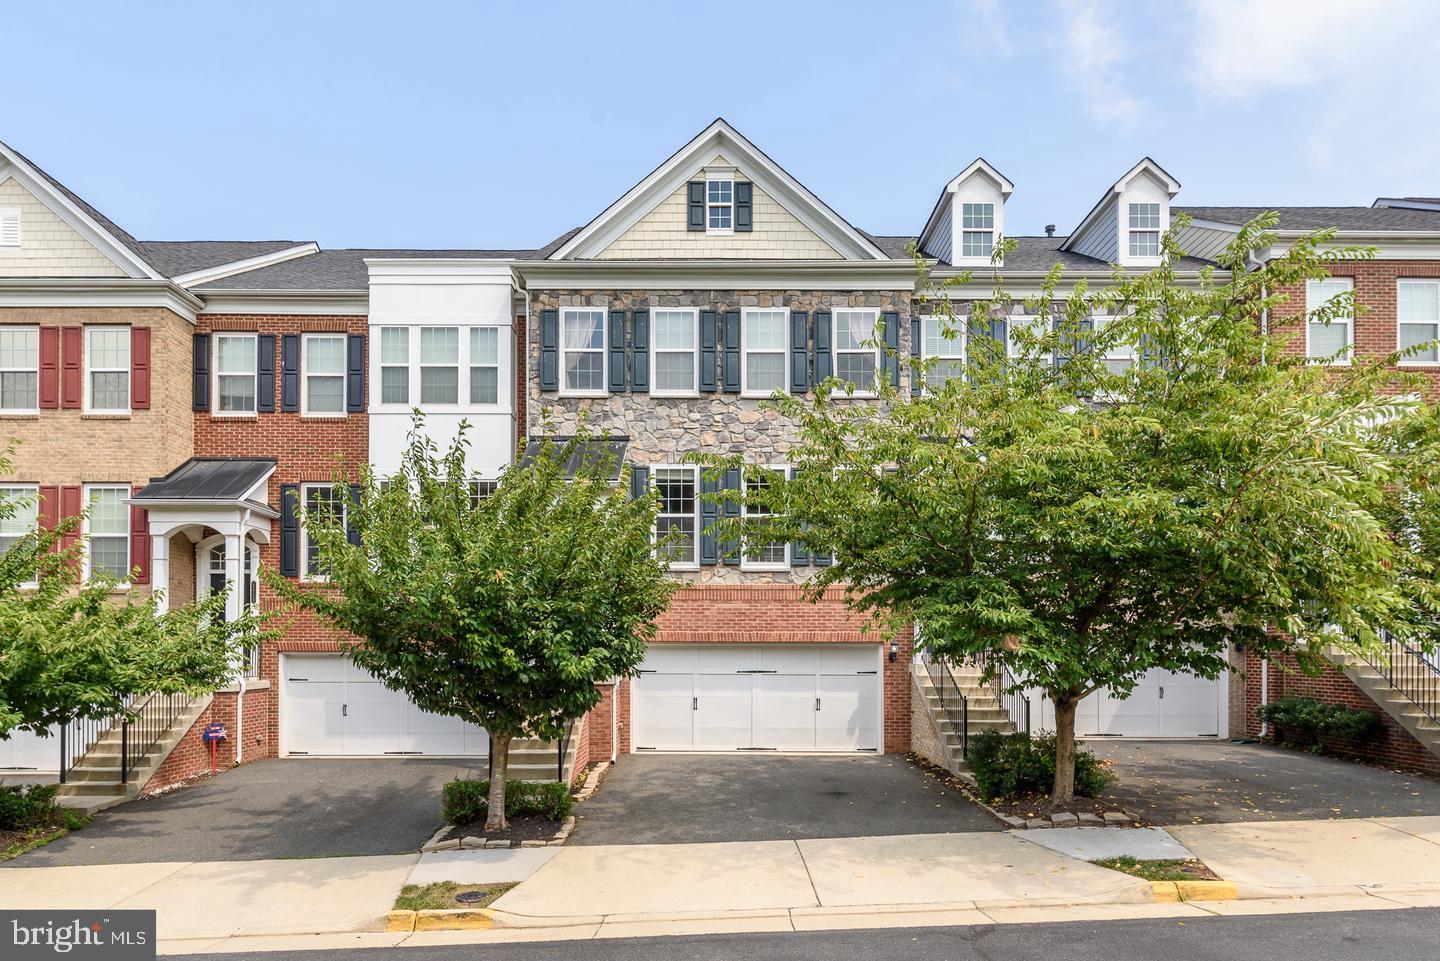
<point>824,363</point>
<point>355,373</point>
<point>732,351</point>
<point>290,373</point>
<point>709,513</point>
<point>799,550</point>
<point>730,550</point>
<point>352,533</point>
<point>617,351</point>
<point>917,340</point>
<point>550,350</point>
<point>265,373</point>
<point>639,481</point>
<point>744,220</point>
<point>799,352</point>
<point>696,194</point>
<point>200,372</point>
<point>892,345</point>
<point>290,530</point>
<point>640,352</point>
<point>707,350</point>
<point>1000,333</point>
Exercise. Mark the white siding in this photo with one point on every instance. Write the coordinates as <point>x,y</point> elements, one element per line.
<point>49,247</point>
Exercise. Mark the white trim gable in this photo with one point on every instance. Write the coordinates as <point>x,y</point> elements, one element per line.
<point>718,138</point>
<point>1103,233</point>
<point>220,271</point>
<point>39,186</point>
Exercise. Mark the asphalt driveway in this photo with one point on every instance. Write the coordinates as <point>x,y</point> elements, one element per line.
<point>281,808</point>
<point>683,798</point>
<point>1193,782</point>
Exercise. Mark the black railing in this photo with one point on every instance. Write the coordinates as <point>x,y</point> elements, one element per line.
<point>144,728</point>
<point>1015,701</point>
<point>79,736</point>
<point>954,705</point>
<point>1410,671</point>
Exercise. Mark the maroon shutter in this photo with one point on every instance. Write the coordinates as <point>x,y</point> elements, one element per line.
<point>49,507</point>
<point>72,343</point>
<point>70,506</point>
<point>139,368</point>
<point>139,542</point>
<point>49,368</point>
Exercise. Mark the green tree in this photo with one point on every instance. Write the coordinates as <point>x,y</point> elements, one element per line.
<point>1142,478</point>
<point>73,650</point>
<point>505,610</point>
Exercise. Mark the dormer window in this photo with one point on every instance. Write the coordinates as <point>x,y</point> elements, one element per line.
<point>719,206</point>
<point>977,230</point>
<point>1144,230</point>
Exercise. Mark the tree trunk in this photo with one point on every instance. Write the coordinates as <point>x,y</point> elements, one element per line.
<point>500,761</point>
<point>1064,789</point>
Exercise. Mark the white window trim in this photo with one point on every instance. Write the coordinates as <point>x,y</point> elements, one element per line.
<point>305,342</point>
<point>90,369</point>
<point>85,492</point>
<point>655,352</point>
<point>835,350</point>
<point>977,258</point>
<point>21,411</point>
<point>467,374</point>
<point>412,366</point>
<point>30,492</point>
<point>215,410</point>
<point>1349,355</point>
<point>1158,231</point>
<point>962,337</point>
<point>1409,362</point>
<point>784,351</point>
<point>604,353</point>
<point>378,337</point>
<point>746,564</point>
<point>694,472</point>
<point>473,485</point>
<point>719,176</point>
<point>305,490</point>
<point>12,214</point>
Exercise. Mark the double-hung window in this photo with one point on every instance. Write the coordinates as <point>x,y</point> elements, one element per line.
<point>484,365</point>
<point>719,206</point>
<point>1144,230</point>
<point>22,516</point>
<point>107,356</point>
<point>1330,343</point>
<point>321,501</point>
<point>764,347</point>
<point>1119,356</point>
<point>107,531</point>
<point>943,349</point>
<point>675,336</point>
<point>675,525</point>
<point>394,365</point>
<point>324,364</point>
<point>481,489</point>
<point>19,369</point>
<point>773,556</point>
<point>235,358</point>
<point>439,365</point>
<point>1417,305</point>
<point>977,230</point>
<point>856,354</point>
<point>582,349</point>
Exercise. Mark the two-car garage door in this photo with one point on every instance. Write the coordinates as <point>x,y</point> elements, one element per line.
<point>791,697</point>
<point>329,706</point>
<point>1163,704</point>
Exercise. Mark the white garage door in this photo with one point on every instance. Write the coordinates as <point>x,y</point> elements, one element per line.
<point>1163,704</point>
<point>24,751</point>
<point>330,706</point>
<point>754,697</point>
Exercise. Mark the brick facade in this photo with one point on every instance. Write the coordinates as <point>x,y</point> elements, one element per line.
<point>192,756</point>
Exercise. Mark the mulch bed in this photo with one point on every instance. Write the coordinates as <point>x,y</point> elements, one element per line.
<point>524,828</point>
<point>1030,806</point>
<point>15,843</point>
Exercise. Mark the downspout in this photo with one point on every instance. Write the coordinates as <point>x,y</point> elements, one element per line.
<point>240,720</point>
<point>1264,693</point>
<point>614,717</point>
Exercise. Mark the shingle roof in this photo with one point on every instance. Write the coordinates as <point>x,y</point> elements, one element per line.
<point>175,257</point>
<point>209,479</point>
<point>1317,218</point>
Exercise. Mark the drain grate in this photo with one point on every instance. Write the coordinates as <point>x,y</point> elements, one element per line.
<point>470,897</point>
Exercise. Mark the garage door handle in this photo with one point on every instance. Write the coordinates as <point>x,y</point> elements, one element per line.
<point>1162,693</point>
<point>694,704</point>
<point>817,704</point>
<point>344,710</point>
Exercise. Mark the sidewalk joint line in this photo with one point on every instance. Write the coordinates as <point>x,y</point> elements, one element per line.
<point>182,865</point>
<point>808,876</point>
<point>1408,834</point>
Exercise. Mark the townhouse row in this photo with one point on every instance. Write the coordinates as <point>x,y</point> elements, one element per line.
<point>194,395</point>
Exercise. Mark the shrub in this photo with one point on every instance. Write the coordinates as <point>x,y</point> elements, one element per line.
<point>464,801</point>
<point>24,806</point>
<point>1009,764</point>
<point>1303,721</point>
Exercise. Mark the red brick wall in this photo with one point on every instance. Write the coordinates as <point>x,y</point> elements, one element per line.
<point>192,756</point>
<point>1395,747</point>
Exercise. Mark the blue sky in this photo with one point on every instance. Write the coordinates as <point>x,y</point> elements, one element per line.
<point>449,124</point>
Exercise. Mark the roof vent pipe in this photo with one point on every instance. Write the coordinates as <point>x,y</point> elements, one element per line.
<point>1049,230</point>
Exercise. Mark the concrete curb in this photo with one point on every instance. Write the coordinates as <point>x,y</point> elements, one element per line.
<point>1173,891</point>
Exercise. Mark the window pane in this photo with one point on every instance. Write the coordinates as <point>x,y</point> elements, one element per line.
<point>853,328</point>
<point>325,395</point>
<point>674,330</point>
<point>977,243</point>
<point>19,390</point>
<point>325,355</point>
<point>1319,292</point>
<point>236,392</point>
<point>235,355</point>
<point>1144,243</point>
<point>943,372</point>
<point>394,345</point>
<point>109,513</point>
<point>857,368</point>
<point>765,330</point>
<point>584,370</point>
<point>110,555</point>
<point>677,491</point>
<point>24,512</point>
<point>584,329</point>
<point>1412,334</point>
<point>439,345</point>
<point>674,370</point>
<point>1144,216</point>
<point>1326,340</point>
<point>720,217</point>
<point>484,345</point>
<point>439,385</point>
<point>110,390</point>
<point>682,549</point>
<point>110,348</point>
<point>764,372</point>
<point>395,385</point>
<point>720,191</point>
<point>938,345</point>
<point>19,347</point>
<point>484,385</point>
<point>977,216</point>
<point>1418,301</point>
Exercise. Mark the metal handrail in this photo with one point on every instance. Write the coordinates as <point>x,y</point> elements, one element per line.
<point>954,705</point>
<point>144,728</point>
<point>1411,671</point>
<point>82,734</point>
<point>1003,683</point>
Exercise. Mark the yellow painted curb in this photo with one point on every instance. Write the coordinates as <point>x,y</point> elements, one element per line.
<point>462,919</point>
<point>1167,892</point>
<point>400,921</point>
